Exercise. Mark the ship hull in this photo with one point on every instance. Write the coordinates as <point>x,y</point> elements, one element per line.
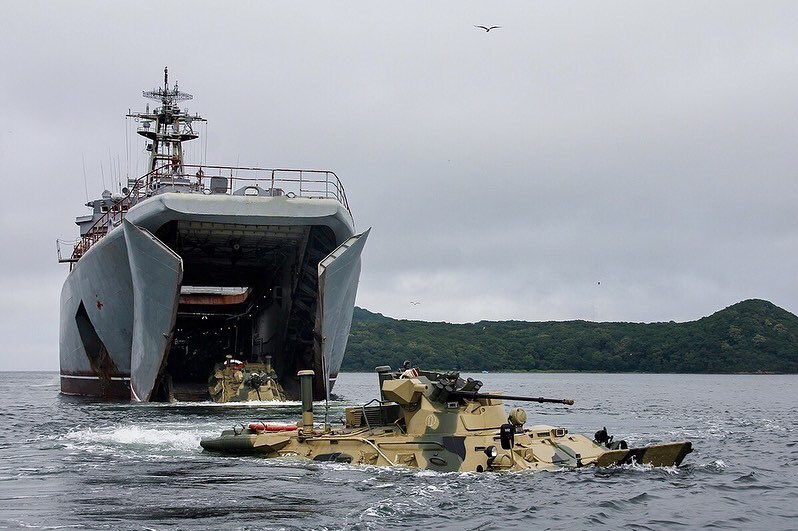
<point>148,310</point>
<point>92,385</point>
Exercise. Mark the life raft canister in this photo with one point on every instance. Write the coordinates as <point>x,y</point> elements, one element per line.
<point>262,426</point>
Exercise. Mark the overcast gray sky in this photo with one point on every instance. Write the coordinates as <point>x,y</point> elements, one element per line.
<point>629,161</point>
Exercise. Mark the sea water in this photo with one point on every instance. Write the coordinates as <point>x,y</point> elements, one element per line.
<point>67,462</point>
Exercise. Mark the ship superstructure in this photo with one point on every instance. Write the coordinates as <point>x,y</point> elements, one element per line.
<point>192,264</point>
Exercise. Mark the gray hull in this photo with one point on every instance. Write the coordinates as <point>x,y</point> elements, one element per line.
<point>187,279</point>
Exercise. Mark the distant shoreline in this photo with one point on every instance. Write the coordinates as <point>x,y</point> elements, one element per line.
<point>750,337</point>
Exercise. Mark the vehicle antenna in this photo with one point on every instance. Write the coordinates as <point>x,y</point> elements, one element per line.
<point>326,375</point>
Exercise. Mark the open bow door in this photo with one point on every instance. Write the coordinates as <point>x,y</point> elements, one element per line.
<point>339,273</point>
<point>156,272</point>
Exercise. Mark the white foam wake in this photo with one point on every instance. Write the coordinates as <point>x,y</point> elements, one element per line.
<point>250,403</point>
<point>138,437</point>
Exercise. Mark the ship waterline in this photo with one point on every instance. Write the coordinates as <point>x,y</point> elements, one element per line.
<point>193,266</point>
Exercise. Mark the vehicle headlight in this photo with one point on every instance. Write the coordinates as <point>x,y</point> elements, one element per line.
<point>491,452</point>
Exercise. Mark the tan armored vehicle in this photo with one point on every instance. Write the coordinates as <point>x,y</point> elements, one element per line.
<point>238,381</point>
<point>439,421</point>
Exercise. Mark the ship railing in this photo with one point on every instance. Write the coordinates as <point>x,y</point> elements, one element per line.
<point>137,191</point>
<point>211,180</point>
<point>292,182</point>
<point>63,256</point>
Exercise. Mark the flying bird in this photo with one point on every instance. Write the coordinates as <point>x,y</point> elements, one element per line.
<point>486,28</point>
<point>415,303</point>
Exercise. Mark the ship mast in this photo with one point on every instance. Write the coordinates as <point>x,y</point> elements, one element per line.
<point>167,127</point>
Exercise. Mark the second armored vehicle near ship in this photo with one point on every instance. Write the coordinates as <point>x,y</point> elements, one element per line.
<point>441,422</point>
<point>236,381</point>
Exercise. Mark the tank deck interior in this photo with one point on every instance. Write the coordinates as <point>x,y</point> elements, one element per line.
<point>248,292</point>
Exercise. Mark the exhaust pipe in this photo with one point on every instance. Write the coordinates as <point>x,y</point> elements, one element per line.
<point>306,390</point>
<point>383,373</point>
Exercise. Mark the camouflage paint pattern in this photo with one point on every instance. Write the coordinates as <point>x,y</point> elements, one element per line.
<point>445,435</point>
<point>234,382</point>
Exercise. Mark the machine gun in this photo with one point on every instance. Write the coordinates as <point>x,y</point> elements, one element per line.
<point>255,381</point>
<point>473,395</point>
<point>450,386</point>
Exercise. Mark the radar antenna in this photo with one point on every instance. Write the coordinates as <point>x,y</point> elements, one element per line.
<point>165,95</point>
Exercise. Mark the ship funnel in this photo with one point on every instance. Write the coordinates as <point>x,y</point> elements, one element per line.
<point>306,390</point>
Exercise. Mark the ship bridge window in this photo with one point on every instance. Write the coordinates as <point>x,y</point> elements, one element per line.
<point>104,208</point>
<point>251,190</point>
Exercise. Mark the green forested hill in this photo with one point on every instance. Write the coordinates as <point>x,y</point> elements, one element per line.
<point>751,336</point>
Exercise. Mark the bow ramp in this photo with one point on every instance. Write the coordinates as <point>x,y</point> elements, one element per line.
<point>338,279</point>
<point>156,272</point>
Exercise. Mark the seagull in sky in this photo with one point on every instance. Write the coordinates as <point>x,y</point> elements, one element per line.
<point>486,28</point>
<point>415,303</point>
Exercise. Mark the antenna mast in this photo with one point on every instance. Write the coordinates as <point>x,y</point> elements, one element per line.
<point>166,127</point>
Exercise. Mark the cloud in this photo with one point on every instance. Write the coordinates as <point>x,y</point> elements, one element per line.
<point>643,146</point>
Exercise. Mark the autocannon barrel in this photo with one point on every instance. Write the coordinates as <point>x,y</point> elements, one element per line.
<point>540,399</point>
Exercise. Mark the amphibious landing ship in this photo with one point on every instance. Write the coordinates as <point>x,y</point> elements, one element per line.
<point>196,271</point>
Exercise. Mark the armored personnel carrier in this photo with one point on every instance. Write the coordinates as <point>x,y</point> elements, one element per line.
<point>438,421</point>
<point>240,381</point>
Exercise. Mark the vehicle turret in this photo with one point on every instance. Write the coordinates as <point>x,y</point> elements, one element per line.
<point>430,402</point>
